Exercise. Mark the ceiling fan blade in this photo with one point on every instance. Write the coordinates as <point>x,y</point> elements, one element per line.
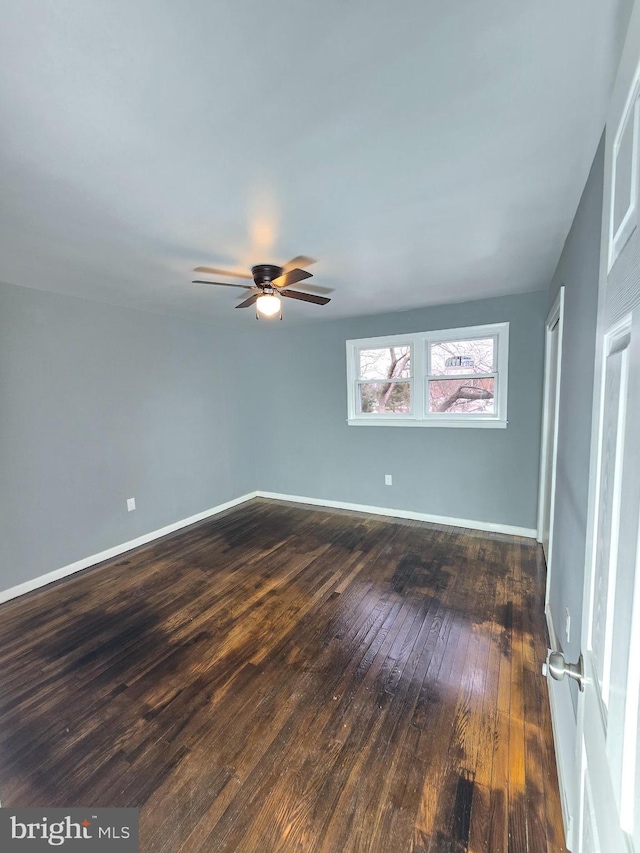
<point>215,271</point>
<point>310,287</point>
<point>224,284</point>
<point>306,297</point>
<point>249,301</point>
<point>298,261</point>
<point>292,277</point>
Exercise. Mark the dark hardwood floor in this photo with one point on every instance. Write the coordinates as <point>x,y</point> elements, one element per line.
<point>286,678</point>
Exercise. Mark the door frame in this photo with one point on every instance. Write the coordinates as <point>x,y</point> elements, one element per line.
<point>549,438</point>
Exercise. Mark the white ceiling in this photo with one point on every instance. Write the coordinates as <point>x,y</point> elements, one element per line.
<point>423,151</point>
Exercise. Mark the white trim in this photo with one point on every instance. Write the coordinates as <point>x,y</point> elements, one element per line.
<point>86,562</point>
<point>419,379</point>
<point>617,342</point>
<point>604,342</point>
<point>445,422</point>
<point>462,333</point>
<point>563,723</point>
<point>565,732</point>
<point>489,526</point>
<point>618,240</point>
<point>550,431</point>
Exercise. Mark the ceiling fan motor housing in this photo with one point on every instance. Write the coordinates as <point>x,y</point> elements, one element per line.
<point>265,273</point>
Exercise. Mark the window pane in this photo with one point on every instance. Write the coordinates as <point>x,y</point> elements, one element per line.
<point>455,357</point>
<point>384,363</point>
<point>468,395</point>
<point>386,397</point>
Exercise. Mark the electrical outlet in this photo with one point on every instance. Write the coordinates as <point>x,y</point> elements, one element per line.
<point>388,480</point>
<point>567,624</point>
<point>131,504</point>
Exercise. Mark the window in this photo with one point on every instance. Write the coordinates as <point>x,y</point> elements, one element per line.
<point>384,380</point>
<point>455,377</point>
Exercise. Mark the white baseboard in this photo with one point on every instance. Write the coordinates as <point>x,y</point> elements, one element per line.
<point>86,562</point>
<point>490,526</point>
<point>565,734</point>
<point>94,559</point>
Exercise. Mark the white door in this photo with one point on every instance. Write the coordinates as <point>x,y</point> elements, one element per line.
<point>552,360</point>
<point>550,455</point>
<point>608,746</point>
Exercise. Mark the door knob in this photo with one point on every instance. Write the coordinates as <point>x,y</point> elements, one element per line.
<point>557,667</point>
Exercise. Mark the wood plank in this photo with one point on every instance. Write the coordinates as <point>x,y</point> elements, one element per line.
<point>289,678</point>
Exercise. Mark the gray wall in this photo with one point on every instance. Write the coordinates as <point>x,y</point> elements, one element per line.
<point>578,271</point>
<point>475,474</point>
<point>99,404</point>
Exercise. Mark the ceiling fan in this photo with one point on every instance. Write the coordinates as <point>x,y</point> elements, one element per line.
<point>270,282</point>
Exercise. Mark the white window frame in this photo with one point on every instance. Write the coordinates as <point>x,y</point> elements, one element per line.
<point>396,340</point>
<point>420,358</point>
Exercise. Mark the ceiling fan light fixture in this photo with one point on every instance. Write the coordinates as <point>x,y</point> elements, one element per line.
<point>268,305</point>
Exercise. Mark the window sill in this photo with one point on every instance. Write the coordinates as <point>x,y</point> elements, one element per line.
<point>476,423</point>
